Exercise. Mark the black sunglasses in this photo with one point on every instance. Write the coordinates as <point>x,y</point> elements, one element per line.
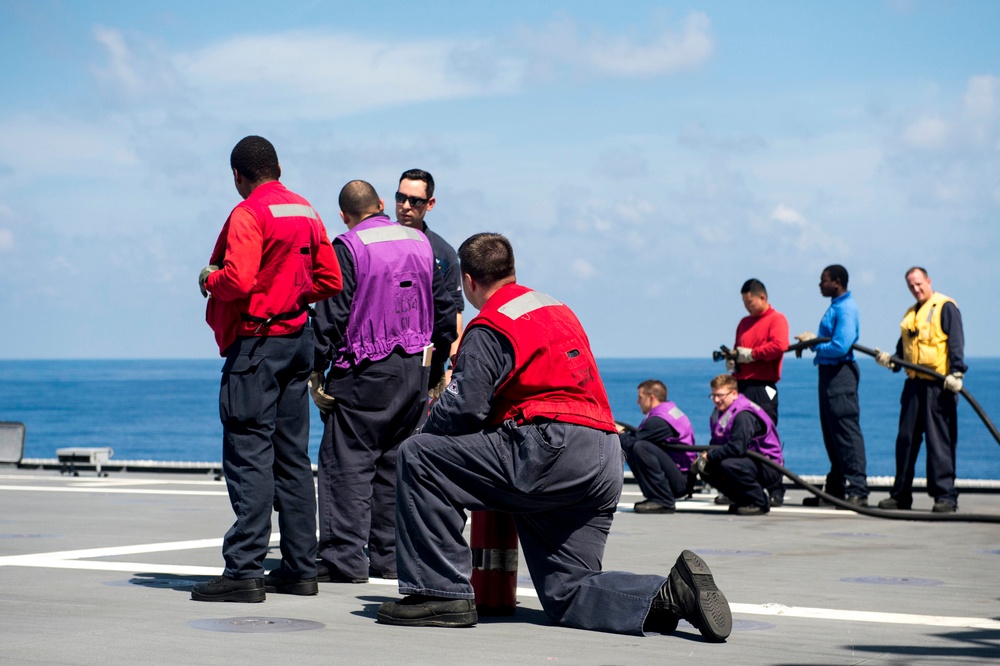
<point>414,201</point>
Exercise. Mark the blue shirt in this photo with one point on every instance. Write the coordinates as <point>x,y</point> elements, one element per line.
<point>840,324</point>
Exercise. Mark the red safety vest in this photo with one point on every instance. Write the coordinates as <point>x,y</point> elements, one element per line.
<point>555,375</point>
<point>272,270</point>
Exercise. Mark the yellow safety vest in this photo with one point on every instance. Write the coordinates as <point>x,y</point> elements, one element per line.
<point>924,343</point>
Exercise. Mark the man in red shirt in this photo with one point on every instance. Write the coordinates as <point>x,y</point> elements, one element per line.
<point>271,260</point>
<point>761,341</point>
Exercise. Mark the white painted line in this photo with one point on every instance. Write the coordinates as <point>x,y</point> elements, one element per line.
<point>864,616</point>
<point>110,490</point>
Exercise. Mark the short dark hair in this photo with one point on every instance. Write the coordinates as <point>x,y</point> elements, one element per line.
<point>655,388</point>
<point>753,286</point>
<point>255,159</point>
<point>358,198</point>
<point>723,381</point>
<point>916,268</point>
<point>487,258</point>
<point>420,174</point>
<point>837,273</point>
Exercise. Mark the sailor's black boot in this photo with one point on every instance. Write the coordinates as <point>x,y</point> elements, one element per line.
<point>690,593</point>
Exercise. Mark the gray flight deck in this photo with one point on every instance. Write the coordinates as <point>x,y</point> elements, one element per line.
<point>98,570</point>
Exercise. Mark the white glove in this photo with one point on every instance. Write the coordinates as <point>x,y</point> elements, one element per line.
<point>205,272</point>
<point>730,365</point>
<point>323,401</point>
<point>883,359</point>
<point>744,355</point>
<point>953,382</point>
<point>805,337</point>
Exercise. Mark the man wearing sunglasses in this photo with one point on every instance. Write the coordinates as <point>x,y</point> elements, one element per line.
<point>414,199</point>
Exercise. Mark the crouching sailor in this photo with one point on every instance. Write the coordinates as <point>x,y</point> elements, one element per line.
<point>662,475</point>
<point>738,426</point>
<point>525,427</point>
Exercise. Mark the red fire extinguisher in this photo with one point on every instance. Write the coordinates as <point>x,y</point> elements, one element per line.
<point>494,562</point>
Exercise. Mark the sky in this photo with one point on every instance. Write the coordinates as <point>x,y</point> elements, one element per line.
<point>644,158</point>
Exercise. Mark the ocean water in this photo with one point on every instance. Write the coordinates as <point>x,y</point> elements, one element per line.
<point>168,409</point>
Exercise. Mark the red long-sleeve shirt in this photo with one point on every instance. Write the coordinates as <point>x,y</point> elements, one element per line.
<point>767,336</point>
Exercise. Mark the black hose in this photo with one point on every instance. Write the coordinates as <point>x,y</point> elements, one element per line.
<point>798,347</point>
<point>864,510</point>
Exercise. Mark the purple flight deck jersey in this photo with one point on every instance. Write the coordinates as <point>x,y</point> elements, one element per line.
<point>393,303</point>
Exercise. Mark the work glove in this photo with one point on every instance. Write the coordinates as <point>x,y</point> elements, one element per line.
<point>744,355</point>
<point>953,382</point>
<point>439,388</point>
<point>803,337</point>
<point>884,359</point>
<point>205,272</point>
<point>730,365</point>
<point>323,401</point>
<point>698,466</point>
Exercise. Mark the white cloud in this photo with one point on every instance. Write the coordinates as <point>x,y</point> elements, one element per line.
<point>62,145</point>
<point>927,133</point>
<point>980,96</point>
<point>561,44</point>
<point>788,215</point>
<point>6,240</point>
<point>582,269</point>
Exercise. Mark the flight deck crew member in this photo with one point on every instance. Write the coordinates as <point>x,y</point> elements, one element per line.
<point>931,336</point>
<point>661,474</point>
<point>414,199</point>
<point>271,260</point>
<point>372,337</point>
<point>761,341</point>
<point>839,411</point>
<point>738,426</point>
<point>525,427</point>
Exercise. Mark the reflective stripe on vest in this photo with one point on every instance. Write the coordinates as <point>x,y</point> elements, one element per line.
<point>525,303</point>
<point>293,210</point>
<point>394,233</point>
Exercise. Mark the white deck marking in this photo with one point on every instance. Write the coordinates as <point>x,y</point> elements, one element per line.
<point>74,559</point>
<point>110,489</point>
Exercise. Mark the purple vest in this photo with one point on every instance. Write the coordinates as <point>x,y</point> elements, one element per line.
<point>672,414</point>
<point>767,444</point>
<point>393,303</point>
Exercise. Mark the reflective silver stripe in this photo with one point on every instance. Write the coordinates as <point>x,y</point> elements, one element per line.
<point>391,233</point>
<point>676,413</point>
<point>525,303</point>
<point>495,559</point>
<point>293,210</point>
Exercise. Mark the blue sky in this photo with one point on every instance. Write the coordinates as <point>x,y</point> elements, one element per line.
<point>645,158</point>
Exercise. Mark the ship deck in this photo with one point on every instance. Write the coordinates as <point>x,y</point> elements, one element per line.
<point>98,570</point>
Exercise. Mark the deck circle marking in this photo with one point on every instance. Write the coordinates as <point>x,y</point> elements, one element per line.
<point>857,535</point>
<point>255,625</point>
<point>892,580</point>
<point>751,625</point>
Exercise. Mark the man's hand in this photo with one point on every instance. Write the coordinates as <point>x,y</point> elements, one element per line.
<point>884,359</point>
<point>323,401</point>
<point>805,337</point>
<point>698,466</point>
<point>953,382</point>
<point>439,388</point>
<point>205,272</point>
<point>730,365</point>
<point>744,355</point>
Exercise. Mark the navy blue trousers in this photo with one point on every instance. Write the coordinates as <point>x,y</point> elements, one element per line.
<point>560,481</point>
<point>839,415</point>
<point>655,471</point>
<point>926,409</point>
<point>264,407</point>
<point>377,407</point>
